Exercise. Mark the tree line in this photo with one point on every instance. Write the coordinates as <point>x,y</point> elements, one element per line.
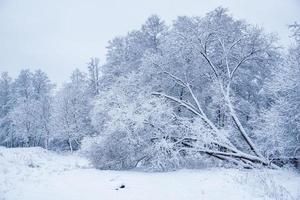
<point>203,91</point>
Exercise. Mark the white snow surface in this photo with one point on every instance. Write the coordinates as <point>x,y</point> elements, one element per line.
<point>38,174</point>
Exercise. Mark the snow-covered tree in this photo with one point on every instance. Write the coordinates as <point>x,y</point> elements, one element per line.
<point>43,98</point>
<point>94,76</point>
<point>70,118</point>
<point>23,115</point>
<point>31,111</point>
<point>125,53</point>
<point>219,50</point>
<point>280,122</point>
<point>6,132</point>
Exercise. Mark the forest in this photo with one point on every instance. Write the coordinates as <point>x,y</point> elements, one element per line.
<point>203,91</point>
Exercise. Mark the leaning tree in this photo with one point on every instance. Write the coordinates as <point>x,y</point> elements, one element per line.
<point>219,50</point>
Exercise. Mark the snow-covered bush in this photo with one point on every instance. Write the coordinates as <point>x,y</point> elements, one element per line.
<point>138,129</point>
<point>116,151</point>
<point>124,116</point>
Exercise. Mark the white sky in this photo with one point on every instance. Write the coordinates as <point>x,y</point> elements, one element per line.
<point>58,36</point>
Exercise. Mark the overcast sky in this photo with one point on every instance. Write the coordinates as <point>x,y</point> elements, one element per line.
<point>58,36</point>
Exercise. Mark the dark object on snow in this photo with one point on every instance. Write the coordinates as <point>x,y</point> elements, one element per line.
<point>32,165</point>
<point>121,187</point>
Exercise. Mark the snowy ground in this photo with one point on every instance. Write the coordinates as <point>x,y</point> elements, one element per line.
<point>37,174</point>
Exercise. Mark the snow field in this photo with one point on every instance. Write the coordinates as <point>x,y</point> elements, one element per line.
<point>35,174</point>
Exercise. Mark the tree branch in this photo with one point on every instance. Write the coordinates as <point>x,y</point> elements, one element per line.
<point>182,103</point>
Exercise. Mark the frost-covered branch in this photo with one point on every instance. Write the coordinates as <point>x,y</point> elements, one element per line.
<point>180,102</point>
